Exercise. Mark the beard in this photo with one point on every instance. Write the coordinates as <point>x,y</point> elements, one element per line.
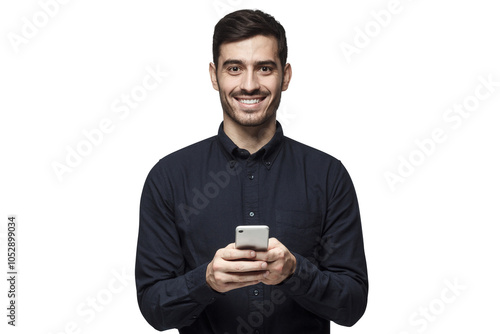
<point>249,118</point>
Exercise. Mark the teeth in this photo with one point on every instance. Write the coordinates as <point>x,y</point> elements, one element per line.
<point>250,101</point>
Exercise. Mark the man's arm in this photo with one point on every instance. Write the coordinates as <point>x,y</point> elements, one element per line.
<point>168,296</point>
<point>333,284</point>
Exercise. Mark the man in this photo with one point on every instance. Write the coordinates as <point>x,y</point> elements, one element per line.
<point>189,274</point>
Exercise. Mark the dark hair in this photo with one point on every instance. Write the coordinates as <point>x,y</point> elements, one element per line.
<point>246,23</point>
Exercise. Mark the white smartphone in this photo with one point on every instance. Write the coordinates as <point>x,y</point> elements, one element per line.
<point>254,237</point>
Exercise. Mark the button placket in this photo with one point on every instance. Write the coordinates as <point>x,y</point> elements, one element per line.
<point>250,193</point>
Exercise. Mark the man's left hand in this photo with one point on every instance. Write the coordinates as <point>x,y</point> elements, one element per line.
<point>281,263</point>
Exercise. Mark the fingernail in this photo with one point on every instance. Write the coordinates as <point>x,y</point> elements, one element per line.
<point>252,253</point>
<point>264,265</point>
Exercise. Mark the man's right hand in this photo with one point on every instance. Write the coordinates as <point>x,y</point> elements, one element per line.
<point>233,268</point>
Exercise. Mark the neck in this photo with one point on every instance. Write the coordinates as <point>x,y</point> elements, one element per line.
<point>250,138</point>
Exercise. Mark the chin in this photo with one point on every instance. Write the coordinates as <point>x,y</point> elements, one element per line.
<point>251,122</point>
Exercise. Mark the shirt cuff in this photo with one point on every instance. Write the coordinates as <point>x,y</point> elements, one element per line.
<point>198,288</point>
<point>300,282</point>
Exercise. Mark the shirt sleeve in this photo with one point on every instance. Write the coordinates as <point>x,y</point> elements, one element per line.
<point>334,284</point>
<point>167,296</point>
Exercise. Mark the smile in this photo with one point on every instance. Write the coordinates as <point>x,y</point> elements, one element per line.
<point>248,101</point>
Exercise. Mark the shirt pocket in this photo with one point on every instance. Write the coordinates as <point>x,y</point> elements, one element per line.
<point>299,231</point>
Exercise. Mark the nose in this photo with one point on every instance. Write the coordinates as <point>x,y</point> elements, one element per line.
<point>249,81</point>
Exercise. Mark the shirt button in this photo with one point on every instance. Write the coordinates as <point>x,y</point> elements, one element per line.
<point>268,163</point>
<point>251,177</point>
<point>255,292</point>
<point>256,331</point>
<point>251,214</point>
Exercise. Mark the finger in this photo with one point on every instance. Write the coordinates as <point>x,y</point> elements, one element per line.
<point>243,278</point>
<point>244,266</point>
<point>271,255</point>
<point>273,243</point>
<point>262,256</point>
<point>230,254</point>
<point>222,279</point>
<point>274,277</point>
<point>275,267</point>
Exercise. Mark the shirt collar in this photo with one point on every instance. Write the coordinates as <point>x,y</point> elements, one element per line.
<point>267,153</point>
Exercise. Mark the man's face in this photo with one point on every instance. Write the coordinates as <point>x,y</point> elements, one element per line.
<point>250,80</point>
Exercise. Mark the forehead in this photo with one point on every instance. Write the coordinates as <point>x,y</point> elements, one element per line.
<point>250,50</point>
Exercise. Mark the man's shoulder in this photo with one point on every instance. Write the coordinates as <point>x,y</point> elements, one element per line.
<point>309,152</point>
<point>187,155</point>
<point>316,163</point>
<point>191,150</point>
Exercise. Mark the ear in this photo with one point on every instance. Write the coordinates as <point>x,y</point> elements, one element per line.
<point>287,76</point>
<point>213,76</point>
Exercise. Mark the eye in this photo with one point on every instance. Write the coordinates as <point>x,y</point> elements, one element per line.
<point>266,69</point>
<point>233,69</point>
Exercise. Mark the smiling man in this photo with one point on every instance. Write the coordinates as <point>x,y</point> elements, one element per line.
<point>189,274</point>
<point>250,79</point>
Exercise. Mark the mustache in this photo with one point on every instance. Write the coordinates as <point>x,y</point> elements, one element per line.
<point>247,93</point>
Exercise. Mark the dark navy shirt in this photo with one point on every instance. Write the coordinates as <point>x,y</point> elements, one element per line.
<point>191,203</point>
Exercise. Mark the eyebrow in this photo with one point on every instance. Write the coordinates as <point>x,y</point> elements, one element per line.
<point>240,62</point>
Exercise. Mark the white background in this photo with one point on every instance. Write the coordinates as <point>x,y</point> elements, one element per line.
<point>76,234</point>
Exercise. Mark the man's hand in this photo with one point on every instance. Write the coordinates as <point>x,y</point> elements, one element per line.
<point>280,262</point>
<point>233,268</point>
